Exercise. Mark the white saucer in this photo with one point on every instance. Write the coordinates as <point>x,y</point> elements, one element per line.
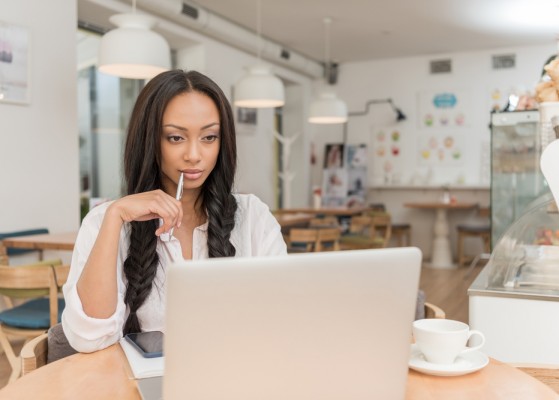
<point>464,364</point>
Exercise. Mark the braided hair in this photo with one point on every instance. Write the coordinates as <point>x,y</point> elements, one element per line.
<point>142,173</point>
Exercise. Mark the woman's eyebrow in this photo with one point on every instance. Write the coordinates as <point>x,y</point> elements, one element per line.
<point>182,128</point>
<point>175,126</point>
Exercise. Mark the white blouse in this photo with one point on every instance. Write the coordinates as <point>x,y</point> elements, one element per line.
<point>256,233</point>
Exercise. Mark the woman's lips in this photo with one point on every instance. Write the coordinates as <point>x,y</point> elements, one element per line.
<point>192,174</point>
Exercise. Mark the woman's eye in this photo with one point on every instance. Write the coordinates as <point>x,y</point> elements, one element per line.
<point>210,138</point>
<point>174,138</point>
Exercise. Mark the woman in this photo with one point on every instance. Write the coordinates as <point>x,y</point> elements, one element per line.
<point>181,124</point>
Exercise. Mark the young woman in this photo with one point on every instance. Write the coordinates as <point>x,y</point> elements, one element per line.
<point>182,124</point>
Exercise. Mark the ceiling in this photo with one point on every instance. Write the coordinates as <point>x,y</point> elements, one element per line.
<point>378,29</point>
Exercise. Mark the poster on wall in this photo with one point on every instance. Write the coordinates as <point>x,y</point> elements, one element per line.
<point>344,178</point>
<point>388,163</point>
<point>440,149</point>
<point>14,64</point>
<point>443,109</point>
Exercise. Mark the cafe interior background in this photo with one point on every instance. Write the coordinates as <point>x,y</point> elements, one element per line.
<point>62,143</point>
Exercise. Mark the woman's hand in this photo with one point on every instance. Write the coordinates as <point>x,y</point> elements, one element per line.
<point>149,205</point>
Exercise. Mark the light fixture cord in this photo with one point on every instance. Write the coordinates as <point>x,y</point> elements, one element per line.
<point>327,22</point>
<point>133,6</point>
<point>259,28</point>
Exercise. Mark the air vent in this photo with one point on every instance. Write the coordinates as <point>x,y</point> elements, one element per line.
<point>441,66</point>
<point>504,61</point>
<point>285,54</point>
<point>189,11</point>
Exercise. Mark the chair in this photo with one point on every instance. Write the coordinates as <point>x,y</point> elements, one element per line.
<point>44,349</point>
<point>367,232</point>
<point>302,240</point>
<point>328,239</point>
<point>432,311</point>
<point>31,318</point>
<point>7,252</point>
<point>401,231</point>
<point>34,354</point>
<point>481,230</point>
<point>325,222</point>
<point>547,374</point>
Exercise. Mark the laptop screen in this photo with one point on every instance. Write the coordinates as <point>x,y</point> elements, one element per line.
<point>307,326</point>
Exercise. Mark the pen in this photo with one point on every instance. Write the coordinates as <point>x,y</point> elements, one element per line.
<point>178,196</point>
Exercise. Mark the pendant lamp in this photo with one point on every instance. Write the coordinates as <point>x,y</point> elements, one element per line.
<point>260,88</point>
<point>327,108</point>
<point>133,50</point>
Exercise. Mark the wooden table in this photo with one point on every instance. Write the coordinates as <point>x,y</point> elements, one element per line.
<point>441,256</point>
<point>290,220</point>
<point>104,375</point>
<point>337,211</point>
<point>46,241</point>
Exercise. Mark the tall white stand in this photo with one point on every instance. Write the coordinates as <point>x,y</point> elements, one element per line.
<point>285,175</point>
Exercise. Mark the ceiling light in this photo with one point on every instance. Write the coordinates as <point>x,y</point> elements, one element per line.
<point>133,50</point>
<point>259,88</point>
<point>327,108</point>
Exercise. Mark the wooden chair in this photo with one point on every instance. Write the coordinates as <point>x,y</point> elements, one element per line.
<point>325,222</point>
<point>302,240</point>
<point>367,232</point>
<point>547,374</point>
<point>401,231</point>
<point>34,354</point>
<point>432,311</point>
<point>41,310</point>
<point>473,230</point>
<point>328,239</point>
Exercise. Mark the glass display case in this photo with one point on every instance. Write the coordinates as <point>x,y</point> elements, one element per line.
<point>526,258</point>
<point>516,295</point>
<point>516,179</point>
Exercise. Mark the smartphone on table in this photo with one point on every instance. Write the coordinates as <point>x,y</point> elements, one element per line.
<point>149,344</point>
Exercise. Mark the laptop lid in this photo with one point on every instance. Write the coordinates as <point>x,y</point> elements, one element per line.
<point>333,325</point>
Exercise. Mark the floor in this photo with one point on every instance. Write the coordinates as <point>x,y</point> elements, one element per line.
<point>446,289</point>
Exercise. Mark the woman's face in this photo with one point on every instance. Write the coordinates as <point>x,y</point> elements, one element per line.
<point>189,143</point>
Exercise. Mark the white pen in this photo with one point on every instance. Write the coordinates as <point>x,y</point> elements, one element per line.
<point>178,196</point>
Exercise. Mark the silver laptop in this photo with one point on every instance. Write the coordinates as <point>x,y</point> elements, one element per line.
<point>333,325</point>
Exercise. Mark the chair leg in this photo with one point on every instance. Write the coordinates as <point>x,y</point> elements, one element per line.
<point>13,360</point>
<point>460,249</point>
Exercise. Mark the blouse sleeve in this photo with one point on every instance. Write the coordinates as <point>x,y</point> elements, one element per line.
<point>84,333</point>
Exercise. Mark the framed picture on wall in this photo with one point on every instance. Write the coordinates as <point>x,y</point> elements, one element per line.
<point>14,64</point>
<point>246,119</point>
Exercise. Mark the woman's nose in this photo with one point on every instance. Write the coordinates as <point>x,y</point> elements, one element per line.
<point>192,153</point>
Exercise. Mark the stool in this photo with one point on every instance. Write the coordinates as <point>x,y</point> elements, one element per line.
<point>402,231</point>
<point>478,231</point>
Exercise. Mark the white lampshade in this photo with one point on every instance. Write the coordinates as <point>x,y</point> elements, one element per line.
<point>133,50</point>
<point>328,109</point>
<point>259,89</point>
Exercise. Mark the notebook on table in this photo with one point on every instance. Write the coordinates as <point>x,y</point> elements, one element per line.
<point>323,326</point>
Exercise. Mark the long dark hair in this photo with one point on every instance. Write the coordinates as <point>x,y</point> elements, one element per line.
<point>142,173</point>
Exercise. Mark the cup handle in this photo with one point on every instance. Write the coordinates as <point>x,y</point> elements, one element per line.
<point>470,349</point>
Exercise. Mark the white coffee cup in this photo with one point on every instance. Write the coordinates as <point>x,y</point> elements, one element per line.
<point>442,340</point>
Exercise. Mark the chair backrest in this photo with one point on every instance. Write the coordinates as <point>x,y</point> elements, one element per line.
<point>328,239</point>
<point>324,222</point>
<point>373,225</point>
<point>34,354</point>
<point>432,311</point>
<point>31,281</point>
<point>303,239</point>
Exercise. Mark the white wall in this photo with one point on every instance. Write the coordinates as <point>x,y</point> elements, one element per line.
<point>39,142</point>
<point>402,80</point>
